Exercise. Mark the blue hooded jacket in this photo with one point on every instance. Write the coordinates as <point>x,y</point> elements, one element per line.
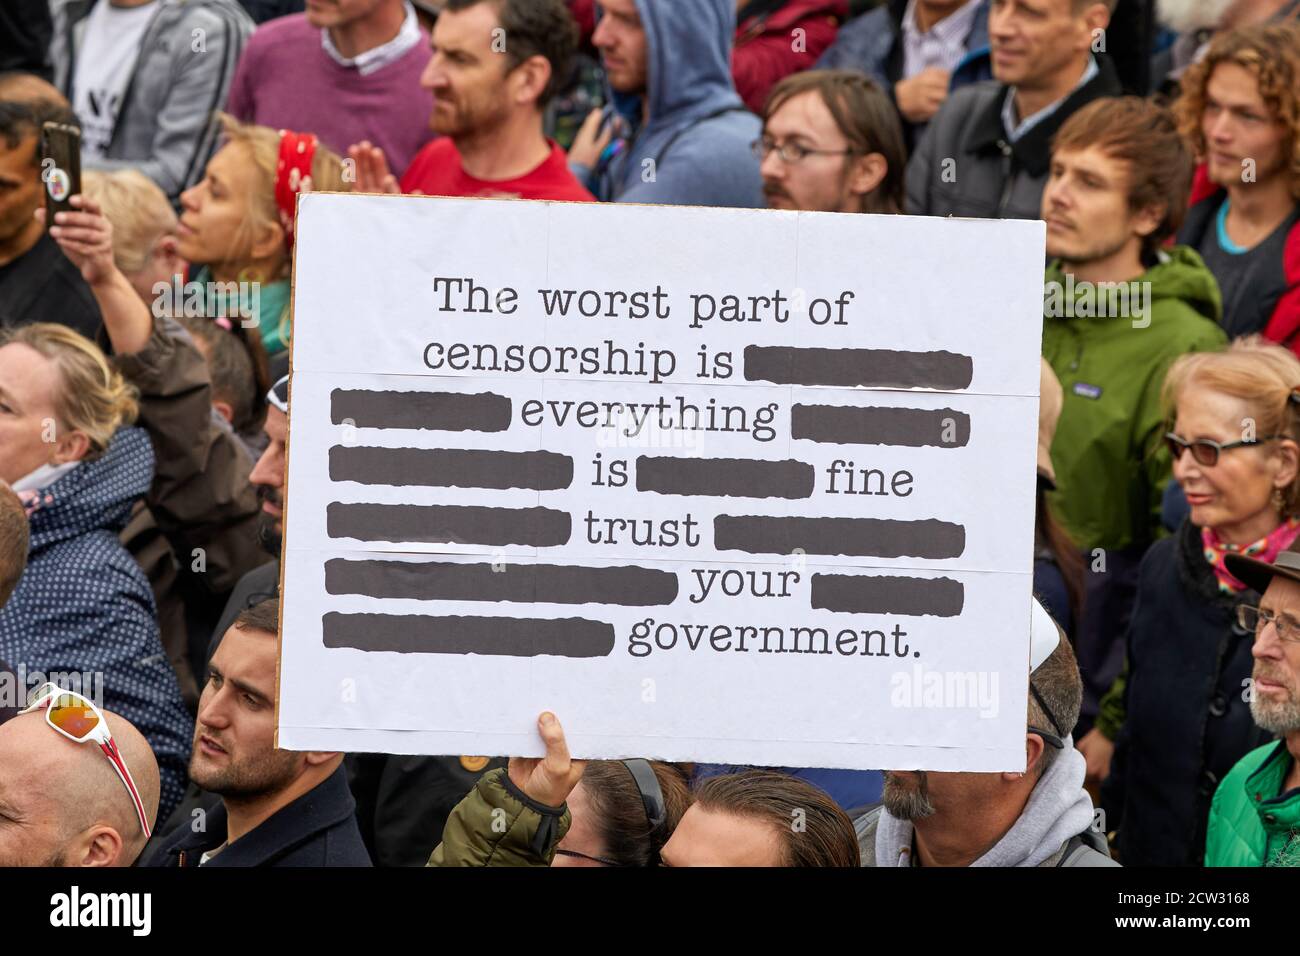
<point>84,607</point>
<point>695,148</point>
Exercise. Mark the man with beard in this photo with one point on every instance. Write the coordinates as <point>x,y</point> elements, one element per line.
<point>277,807</point>
<point>402,800</point>
<point>1118,307</point>
<point>1039,817</point>
<point>496,64</point>
<point>268,477</point>
<point>831,143</point>
<point>1240,111</point>
<point>1255,817</point>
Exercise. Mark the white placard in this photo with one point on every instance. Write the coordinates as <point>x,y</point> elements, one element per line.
<point>733,486</point>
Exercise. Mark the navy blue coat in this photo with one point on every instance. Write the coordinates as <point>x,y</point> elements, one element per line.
<point>317,829</point>
<point>1187,721</point>
<point>84,607</point>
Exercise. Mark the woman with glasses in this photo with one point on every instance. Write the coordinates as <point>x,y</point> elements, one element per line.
<point>1235,441</point>
<point>556,811</point>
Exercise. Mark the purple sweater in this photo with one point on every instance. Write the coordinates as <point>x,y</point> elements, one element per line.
<point>286,80</point>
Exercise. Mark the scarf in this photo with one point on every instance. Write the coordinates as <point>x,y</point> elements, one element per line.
<point>1265,549</point>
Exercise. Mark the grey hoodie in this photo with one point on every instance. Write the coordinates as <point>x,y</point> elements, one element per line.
<point>1058,810</point>
<point>695,148</point>
<point>187,58</point>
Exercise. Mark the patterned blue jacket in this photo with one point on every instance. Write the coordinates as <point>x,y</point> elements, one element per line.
<point>83,606</point>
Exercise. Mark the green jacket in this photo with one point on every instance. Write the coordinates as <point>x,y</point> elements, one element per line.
<point>497,824</point>
<point>1111,467</point>
<point>1252,822</point>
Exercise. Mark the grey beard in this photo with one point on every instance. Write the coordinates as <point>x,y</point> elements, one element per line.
<point>1280,719</point>
<point>905,804</point>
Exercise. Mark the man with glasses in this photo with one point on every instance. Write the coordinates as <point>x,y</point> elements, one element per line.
<point>1255,816</point>
<point>1039,817</point>
<point>1119,307</point>
<point>62,802</point>
<point>831,142</point>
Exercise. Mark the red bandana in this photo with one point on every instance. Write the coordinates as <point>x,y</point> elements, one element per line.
<point>1265,549</point>
<point>292,176</point>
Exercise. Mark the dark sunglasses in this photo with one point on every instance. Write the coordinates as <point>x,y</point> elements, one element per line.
<point>1206,451</point>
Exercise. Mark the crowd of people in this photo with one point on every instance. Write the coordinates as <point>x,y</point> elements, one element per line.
<point>144,334</point>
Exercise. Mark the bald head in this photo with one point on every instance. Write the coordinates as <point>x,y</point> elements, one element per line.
<point>64,804</point>
<point>29,88</point>
<point>13,541</point>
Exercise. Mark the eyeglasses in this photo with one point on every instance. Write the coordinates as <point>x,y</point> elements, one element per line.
<point>1254,619</point>
<point>792,152</point>
<point>77,718</point>
<point>1048,738</point>
<point>1206,451</point>
<point>582,856</point>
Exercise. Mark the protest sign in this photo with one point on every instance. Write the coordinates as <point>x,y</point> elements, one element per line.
<point>722,485</point>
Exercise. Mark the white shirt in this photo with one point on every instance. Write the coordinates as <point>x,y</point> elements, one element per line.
<point>1016,130</point>
<point>368,61</point>
<point>43,477</point>
<point>943,45</point>
<point>109,48</point>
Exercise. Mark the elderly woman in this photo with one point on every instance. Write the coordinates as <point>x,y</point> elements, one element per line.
<point>83,609</point>
<point>1235,439</point>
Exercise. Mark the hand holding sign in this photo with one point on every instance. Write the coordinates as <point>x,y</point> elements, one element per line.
<point>551,779</point>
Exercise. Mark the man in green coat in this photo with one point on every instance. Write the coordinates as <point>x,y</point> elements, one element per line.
<point>1255,816</point>
<point>1118,309</point>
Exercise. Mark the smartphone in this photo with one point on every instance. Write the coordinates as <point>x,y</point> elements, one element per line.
<point>60,167</point>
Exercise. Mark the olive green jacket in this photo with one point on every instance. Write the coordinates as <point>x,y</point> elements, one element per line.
<point>497,824</point>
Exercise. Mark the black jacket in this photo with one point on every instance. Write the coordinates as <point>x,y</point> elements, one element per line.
<point>1186,721</point>
<point>965,166</point>
<point>317,829</point>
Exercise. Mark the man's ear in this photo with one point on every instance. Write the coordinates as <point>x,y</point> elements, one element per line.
<point>225,410</point>
<point>529,79</point>
<point>1096,19</point>
<point>1034,748</point>
<point>315,758</point>
<point>101,845</point>
<point>867,173</point>
<point>1148,219</point>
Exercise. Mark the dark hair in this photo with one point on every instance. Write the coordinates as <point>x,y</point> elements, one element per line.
<point>865,117</point>
<point>1145,137</point>
<point>18,120</point>
<point>1065,554</point>
<point>620,814</point>
<point>813,829</point>
<point>1060,686</point>
<point>263,616</point>
<point>13,542</point>
<point>532,28</point>
<point>237,367</point>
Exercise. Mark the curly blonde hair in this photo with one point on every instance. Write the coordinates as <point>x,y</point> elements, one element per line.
<point>93,398</point>
<point>1272,53</point>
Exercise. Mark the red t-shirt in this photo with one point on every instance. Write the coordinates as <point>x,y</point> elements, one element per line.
<point>437,171</point>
